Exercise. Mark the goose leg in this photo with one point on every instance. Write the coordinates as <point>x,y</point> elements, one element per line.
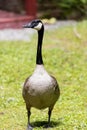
<point>29,127</point>
<point>49,115</point>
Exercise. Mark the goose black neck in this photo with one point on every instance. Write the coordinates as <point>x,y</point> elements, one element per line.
<point>39,59</point>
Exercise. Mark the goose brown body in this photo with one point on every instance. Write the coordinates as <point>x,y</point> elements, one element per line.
<point>40,90</point>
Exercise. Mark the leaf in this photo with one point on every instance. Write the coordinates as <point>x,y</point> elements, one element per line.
<point>84,1</point>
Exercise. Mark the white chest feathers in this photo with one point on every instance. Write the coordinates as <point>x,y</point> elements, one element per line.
<point>40,81</point>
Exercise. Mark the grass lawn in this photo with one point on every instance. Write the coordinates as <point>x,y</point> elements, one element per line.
<point>65,57</point>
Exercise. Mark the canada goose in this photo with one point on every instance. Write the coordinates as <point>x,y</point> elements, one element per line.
<point>40,90</point>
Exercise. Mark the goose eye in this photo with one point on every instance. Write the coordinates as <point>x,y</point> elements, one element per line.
<point>33,24</point>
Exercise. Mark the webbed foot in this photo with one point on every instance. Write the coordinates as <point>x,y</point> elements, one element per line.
<point>29,127</point>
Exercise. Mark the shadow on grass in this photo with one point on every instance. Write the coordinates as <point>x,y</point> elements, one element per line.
<point>44,124</point>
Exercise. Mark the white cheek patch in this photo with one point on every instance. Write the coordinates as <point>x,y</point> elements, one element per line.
<point>38,27</point>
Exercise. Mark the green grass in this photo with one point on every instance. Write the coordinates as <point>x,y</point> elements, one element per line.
<point>65,56</point>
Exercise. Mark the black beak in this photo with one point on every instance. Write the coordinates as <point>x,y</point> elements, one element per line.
<point>27,25</point>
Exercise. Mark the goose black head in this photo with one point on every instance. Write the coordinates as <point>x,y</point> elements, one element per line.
<point>36,24</point>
